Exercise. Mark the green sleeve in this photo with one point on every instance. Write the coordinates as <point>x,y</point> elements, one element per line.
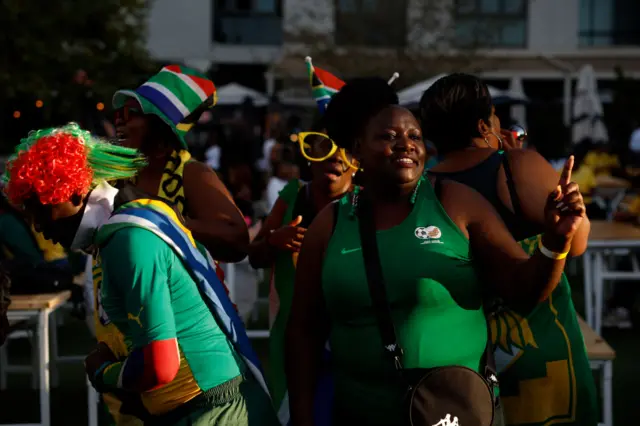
<point>137,262</point>
<point>289,193</point>
<point>17,238</point>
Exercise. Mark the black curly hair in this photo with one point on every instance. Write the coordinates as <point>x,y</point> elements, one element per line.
<point>354,105</point>
<point>450,110</point>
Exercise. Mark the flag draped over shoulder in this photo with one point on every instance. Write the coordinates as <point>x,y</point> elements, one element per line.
<point>162,220</point>
<point>323,85</point>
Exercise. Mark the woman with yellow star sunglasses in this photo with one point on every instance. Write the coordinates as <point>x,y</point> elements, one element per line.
<point>279,241</point>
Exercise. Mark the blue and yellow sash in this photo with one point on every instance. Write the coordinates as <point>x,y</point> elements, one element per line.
<point>162,220</point>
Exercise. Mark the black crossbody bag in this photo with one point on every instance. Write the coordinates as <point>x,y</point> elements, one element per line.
<point>441,396</point>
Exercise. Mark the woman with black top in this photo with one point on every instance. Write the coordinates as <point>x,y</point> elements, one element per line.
<point>543,368</point>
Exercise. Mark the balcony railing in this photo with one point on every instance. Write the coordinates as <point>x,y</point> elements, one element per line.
<point>609,38</point>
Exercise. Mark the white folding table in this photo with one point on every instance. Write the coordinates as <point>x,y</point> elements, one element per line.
<point>41,308</point>
<point>606,239</point>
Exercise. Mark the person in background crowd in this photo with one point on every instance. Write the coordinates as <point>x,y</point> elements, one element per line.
<point>436,240</point>
<point>541,343</point>
<point>34,264</point>
<point>147,119</point>
<point>17,240</point>
<point>285,168</point>
<point>188,360</point>
<point>213,153</point>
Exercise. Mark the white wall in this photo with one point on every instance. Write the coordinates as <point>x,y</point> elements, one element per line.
<point>312,16</point>
<point>553,25</point>
<point>180,29</point>
<point>429,24</point>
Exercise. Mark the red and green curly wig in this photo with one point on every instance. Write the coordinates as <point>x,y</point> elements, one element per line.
<point>57,163</point>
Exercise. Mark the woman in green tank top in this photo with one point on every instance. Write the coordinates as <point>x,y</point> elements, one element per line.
<point>278,243</point>
<point>435,244</point>
<point>544,372</point>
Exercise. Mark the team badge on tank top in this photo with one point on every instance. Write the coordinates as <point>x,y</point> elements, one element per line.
<point>429,234</point>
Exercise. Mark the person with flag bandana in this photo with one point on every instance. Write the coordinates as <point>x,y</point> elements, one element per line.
<point>188,359</point>
<point>278,242</point>
<point>155,119</point>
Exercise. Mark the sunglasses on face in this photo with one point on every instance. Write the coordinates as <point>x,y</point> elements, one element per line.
<point>127,112</point>
<point>317,147</point>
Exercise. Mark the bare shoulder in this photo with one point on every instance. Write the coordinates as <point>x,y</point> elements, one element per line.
<point>198,176</point>
<point>527,164</point>
<point>458,194</point>
<point>464,205</point>
<point>195,168</point>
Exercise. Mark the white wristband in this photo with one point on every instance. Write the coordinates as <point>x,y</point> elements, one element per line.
<point>551,254</point>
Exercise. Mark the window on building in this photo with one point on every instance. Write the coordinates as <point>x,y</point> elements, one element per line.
<point>373,23</point>
<point>494,23</point>
<point>609,23</point>
<point>249,22</point>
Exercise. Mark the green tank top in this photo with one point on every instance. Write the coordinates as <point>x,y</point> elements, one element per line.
<point>436,302</point>
<point>545,376</point>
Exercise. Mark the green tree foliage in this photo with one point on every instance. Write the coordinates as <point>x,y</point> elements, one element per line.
<point>44,43</point>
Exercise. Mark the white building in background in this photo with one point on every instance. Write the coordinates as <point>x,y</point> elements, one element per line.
<point>538,39</point>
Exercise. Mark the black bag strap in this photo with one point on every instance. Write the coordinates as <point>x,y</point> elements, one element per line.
<point>375,280</point>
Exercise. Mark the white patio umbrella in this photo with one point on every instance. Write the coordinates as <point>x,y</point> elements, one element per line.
<point>518,111</point>
<point>235,94</point>
<point>587,110</point>
<point>411,95</point>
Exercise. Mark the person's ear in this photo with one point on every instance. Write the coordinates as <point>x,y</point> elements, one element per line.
<point>484,128</point>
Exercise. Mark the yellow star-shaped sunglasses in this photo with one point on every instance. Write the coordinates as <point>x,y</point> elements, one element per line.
<point>316,147</point>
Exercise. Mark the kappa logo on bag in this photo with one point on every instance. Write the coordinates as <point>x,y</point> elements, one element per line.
<point>448,422</point>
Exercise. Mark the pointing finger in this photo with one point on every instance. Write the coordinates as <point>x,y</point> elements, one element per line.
<point>565,177</point>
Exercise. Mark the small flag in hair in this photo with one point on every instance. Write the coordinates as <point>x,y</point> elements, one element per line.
<point>323,85</point>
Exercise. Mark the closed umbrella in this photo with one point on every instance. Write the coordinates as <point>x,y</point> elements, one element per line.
<point>588,124</point>
<point>518,110</point>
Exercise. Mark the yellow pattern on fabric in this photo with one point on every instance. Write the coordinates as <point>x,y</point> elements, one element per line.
<point>171,188</point>
<point>135,318</point>
<point>547,400</point>
<point>181,389</point>
<point>50,251</point>
<point>172,182</point>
